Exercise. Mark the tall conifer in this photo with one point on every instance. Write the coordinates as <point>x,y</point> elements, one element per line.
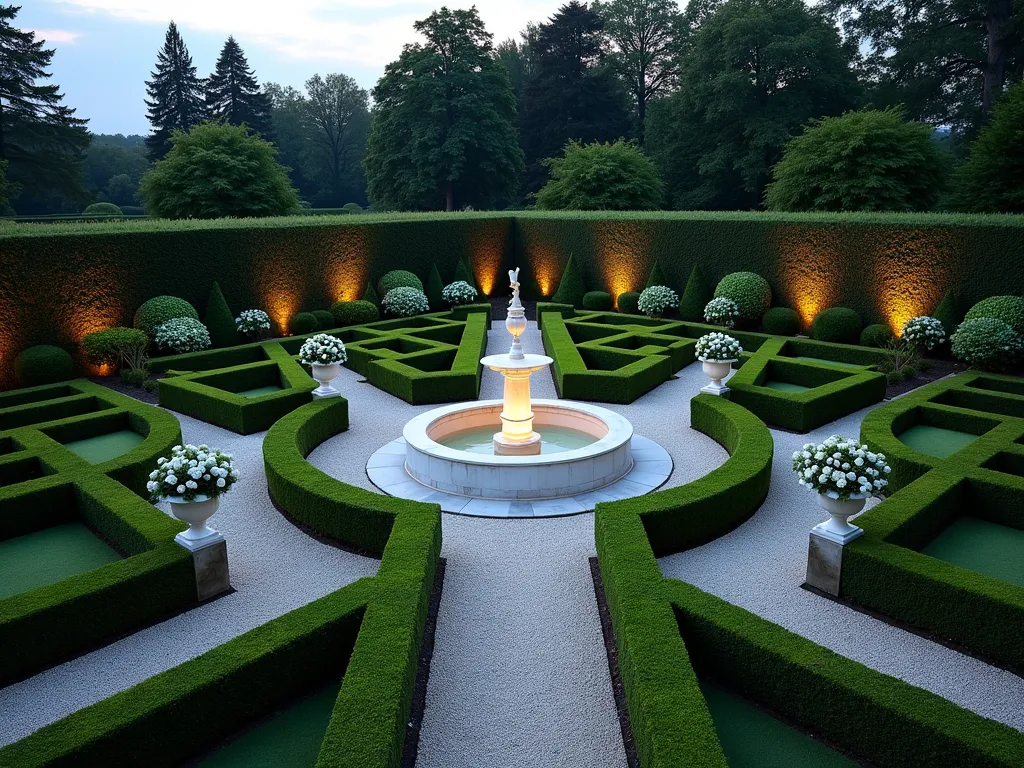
<point>175,94</point>
<point>233,94</point>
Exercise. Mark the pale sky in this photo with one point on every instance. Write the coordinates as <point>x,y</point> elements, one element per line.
<point>107,48</point>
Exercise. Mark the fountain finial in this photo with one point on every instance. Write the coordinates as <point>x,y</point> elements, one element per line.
<point>515,322</point>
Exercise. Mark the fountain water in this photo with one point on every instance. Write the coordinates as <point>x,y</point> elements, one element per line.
<point>546,449</point>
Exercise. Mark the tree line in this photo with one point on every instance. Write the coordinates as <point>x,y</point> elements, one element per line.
<point>707,98</point>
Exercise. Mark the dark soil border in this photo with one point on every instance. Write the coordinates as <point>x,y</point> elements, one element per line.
<point>419,698</point>
<point>612,649</point>
<point>946,643</point>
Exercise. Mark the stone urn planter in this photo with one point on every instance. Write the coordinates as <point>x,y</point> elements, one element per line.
<point>325,374</point>
<point>195,513</point>
<point>716,370</point>
<point>837,526</point>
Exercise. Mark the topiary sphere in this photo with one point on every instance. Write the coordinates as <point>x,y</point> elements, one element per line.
<point>354,313</point>
<point>629,303</point>
<point>102,209</point>
<point>398,278</point>
<point>876,335</point>
<point>352,208</point>
<point>43,364</point>
<point>324,319</point>
<point>781,321</point>
<point>750,291</point>
<point>159,310</point>
<point>597,301</point>
<point>1009,309</point>
<point>302,323</point>
<point>987,342</point>
<point>838,325</point>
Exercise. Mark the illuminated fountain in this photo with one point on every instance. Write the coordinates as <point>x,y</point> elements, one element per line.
<point>545,450</point>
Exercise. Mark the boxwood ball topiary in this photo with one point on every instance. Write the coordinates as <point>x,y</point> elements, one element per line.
<point>781,321</point>
<point>301,323</point>
<point>597,301</point>
<point>629,303</point>
<point>354,313</point>
<point>43,364</point>
<point>397,278</point>
<point>159,310</point>
<point>324,319</point>
<point>1009,309</point>
<point>876,335</point>
<point>838,325</point>
<point>102,209</point>
<point>750,291</point>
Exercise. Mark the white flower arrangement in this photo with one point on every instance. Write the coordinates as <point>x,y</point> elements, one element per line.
<point>253,322</point>
<point>405,302</point>
<point>323,349</point>
<point>722,311</point>
<point>191,471</point>
<point>182,334</point>
<point>655,300</point>
<point>459,292</point>
<point>924,331</point>
<point>718,348</point>
<point>841,468</point>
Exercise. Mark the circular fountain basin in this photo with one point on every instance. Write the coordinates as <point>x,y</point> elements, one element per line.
<point>588,447</point>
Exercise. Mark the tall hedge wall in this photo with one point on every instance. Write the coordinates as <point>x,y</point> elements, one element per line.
<point>59,282</point>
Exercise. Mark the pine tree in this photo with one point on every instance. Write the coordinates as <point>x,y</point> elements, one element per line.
<point>40,137</point>
<point>233,94</point>
<point>175,94</point>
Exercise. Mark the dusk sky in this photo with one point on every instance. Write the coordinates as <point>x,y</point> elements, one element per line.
<point>107,48</point>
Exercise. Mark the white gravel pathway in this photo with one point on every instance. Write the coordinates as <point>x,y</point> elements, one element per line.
<point>761,565</point>
<point>275,568</point>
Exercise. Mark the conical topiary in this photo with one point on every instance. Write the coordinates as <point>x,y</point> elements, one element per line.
<point>946,313</point>
<point>465,273</point>
<point>657,276</point>
<point>571,288</point>
<point>695,297</point>
<point>370,295</point>
<point>434,289</point>
<point>219,320</point>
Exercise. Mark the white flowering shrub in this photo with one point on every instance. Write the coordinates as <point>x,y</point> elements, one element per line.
<point>841,468</point>
<point>323,349</point>
<point>986,342</point>
<point>718,348</point>
<point>924,331</point>
<point>190,472</point>
<point>405,302</point>
<point>656,299</point>
<point>253,323</point>
<point>722,311</point>
<point>459,292</point>
<point>182,334</point>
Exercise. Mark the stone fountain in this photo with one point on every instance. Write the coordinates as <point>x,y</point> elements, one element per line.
<point>545,450</point>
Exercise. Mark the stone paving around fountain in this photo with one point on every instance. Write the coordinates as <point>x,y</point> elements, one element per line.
<point>519,674</point>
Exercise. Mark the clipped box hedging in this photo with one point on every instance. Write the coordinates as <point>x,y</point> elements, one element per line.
<point>368,634</point>
<point>884,570</point>
<point>155,577</point>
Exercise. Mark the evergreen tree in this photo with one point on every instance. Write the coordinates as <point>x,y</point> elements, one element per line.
<point>233,94</point>
<point>338,117</point>
<point>443,131</point>
<point>175,94</point>
<point>40,137</point>
<point>572,96</point>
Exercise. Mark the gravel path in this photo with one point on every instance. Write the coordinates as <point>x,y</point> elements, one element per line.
<point>760,566</point>
<point>275,568</point>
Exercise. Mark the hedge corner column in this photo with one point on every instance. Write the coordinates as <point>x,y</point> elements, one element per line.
<point>827,539</point>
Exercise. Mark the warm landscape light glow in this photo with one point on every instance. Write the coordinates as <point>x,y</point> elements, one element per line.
<point>809,278</point>
<point>910,273</point>
<point>624,251</point>
<point>281,307</point>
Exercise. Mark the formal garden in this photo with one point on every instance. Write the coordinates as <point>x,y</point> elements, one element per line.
<point>697,489</point>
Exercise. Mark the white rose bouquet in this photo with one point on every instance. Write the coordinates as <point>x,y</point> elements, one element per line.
<point>405,302</point>
<point>190,472</point>
<point>323,349</point>
<point>841,468</point>
<point>718,348</point>
<point>458,293</point>
<point>655,300</point>
<point>722,311</point>
<point>924,331</point>
<point>253,323</point>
